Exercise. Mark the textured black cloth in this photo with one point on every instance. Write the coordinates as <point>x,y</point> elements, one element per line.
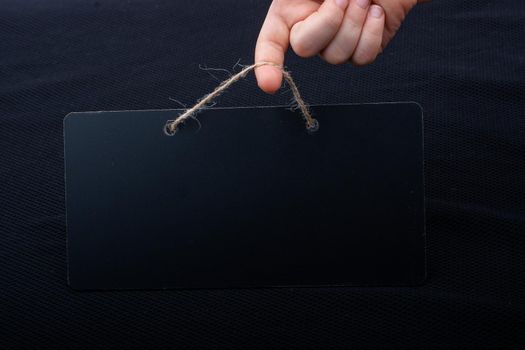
<point>462,60</point>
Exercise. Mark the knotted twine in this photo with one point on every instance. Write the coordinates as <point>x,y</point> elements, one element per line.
<point>311,123</point>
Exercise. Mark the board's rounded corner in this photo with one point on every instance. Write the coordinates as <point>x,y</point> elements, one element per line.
<point>68,117</point>
<point>73,286</point>
<point>422,277</point>
<point>417,105</point>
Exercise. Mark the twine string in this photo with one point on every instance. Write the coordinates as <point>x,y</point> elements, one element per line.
<point>312,124</point>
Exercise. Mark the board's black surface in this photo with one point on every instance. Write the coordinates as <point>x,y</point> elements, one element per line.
<point>250,199</point>
<point>462,60</point>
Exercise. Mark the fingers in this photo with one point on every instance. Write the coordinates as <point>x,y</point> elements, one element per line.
<point>309,36</point>
<point>271,47</point>
<point>369,44</point>
<point>345,41</point>
<point>396,13</point>
<point>338,29</point>
<point>274,37</point>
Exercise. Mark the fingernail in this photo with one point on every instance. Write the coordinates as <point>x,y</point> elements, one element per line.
<point>342,3</point>
<point>376,11</point>
<point>362,3</point>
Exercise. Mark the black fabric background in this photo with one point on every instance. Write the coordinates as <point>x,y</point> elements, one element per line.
<point>462,60</point>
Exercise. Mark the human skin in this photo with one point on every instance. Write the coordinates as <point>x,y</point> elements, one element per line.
<point>340,31</point>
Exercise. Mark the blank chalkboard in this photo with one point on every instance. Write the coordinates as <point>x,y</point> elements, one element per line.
<point>248,198</point>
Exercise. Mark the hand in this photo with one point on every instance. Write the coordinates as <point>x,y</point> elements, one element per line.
<point>338,30</point>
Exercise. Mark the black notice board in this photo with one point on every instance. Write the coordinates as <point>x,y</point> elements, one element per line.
<point>250,199</point>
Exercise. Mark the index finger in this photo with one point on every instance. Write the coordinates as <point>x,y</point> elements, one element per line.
<point>271,47</point>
